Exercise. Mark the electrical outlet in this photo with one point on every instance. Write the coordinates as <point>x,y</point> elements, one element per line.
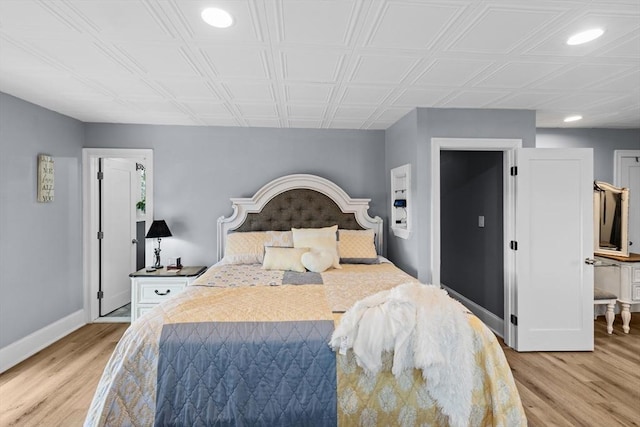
<point>481,221</point>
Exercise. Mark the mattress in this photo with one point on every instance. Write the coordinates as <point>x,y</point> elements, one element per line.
<point>126,394</point>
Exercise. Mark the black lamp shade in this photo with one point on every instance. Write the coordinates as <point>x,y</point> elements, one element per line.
<point>158,229</point>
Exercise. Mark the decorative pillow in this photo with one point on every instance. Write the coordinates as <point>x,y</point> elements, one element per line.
<point>281,239</point>
<point>357,247</point>
<point>318,240</point>
<point>244,247</point>
<point>317,261</point>
<point>284,259</point>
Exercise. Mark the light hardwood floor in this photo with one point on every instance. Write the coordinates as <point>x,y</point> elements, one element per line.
<point>55,386</point>
<point>599,388</point>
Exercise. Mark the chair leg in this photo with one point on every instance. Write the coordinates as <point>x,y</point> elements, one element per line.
<point>625,313</point>
<point>609,316</point>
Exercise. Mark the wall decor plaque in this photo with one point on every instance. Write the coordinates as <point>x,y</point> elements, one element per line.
<point>45,178</point>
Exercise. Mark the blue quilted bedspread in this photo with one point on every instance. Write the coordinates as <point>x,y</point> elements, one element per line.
<point>246,374</point>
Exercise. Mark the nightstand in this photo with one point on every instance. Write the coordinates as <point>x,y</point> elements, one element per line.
<point>149,289</point>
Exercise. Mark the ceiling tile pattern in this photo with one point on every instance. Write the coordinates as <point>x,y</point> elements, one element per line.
<point>356,64</point>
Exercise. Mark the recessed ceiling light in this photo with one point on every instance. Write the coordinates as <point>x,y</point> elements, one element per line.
<point>572,119</point>
<point>585,36</point>
<point>217,17</point>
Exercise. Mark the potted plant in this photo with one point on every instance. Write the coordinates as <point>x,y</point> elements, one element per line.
<point>141,206</point>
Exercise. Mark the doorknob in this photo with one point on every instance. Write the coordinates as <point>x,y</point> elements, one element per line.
<point>134,241</point>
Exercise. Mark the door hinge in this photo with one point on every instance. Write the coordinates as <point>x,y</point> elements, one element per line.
<point>100,235</point>
<point>513,245</point>
<point>100,175</point>
<point>514,319</point>
<point>100,294</point>
<point>514,170</point>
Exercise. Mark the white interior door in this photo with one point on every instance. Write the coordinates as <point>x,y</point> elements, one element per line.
<point>554,232</point>
<point>629,177</point>
<point>118,220</point>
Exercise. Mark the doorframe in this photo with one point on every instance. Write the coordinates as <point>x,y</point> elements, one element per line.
<point>90,215</point>
<point>617,163</point>
<point>508,147</point>
<point>618,155</point>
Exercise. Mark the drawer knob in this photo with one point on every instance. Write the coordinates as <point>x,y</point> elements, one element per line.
<point>162,293</point>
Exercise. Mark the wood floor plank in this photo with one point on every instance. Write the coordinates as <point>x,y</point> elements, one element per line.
<point>583,388</point>
<point>55,386</point>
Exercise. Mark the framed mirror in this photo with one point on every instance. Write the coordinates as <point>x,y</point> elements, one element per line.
<point>611,219</point>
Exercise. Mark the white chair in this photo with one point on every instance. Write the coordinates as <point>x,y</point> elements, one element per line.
<point>601,297</point>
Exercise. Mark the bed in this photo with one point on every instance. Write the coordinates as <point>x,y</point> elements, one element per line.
<point>260,339</point>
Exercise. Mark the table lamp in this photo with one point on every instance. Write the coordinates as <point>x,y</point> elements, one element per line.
<point>158,230</point>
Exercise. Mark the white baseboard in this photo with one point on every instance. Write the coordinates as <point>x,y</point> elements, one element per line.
<point>112,320</point>
<point>494,323</point>
<point>20,350</point>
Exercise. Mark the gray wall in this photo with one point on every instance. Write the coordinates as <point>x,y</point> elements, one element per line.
<point>401,147</point>
<point>198,169</point>
<point>603,141</point>
<point>444,123</point>
<point>40,243</point>
<point>471,257</point>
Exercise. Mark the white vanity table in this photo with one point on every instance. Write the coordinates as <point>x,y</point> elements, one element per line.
<point>621,276</point>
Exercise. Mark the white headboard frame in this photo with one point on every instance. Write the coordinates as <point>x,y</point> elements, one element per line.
<point>243,206</point>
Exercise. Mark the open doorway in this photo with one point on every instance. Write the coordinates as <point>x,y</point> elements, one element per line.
<point>504,149</point>
<point>472,227</point>
<point>118,208</point>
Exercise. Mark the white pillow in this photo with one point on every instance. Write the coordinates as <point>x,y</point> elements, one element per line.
<point>317,261</point>
<point>318,240</point>
<point>276,258</point>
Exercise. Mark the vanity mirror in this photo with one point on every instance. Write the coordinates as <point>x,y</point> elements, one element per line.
<point>611,219</point>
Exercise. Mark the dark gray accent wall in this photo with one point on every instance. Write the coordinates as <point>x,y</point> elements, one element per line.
<point>603,141</point>
<point>198,169</point>
<point>140,249</point>
<point>40,243</point>
<point>471,257</point>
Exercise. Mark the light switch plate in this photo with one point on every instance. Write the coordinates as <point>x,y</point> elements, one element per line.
<point>481,221</point>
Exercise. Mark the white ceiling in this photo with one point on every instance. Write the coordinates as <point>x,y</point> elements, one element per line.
<point>349,64</point>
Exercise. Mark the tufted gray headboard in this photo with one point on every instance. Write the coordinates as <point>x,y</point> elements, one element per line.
<point>298,201</point>
<point>301,208</point>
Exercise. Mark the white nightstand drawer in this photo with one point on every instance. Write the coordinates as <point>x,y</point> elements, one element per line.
<point>157,291</point>
<point>140,310</point>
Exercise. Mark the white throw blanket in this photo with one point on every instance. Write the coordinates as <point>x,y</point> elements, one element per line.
<point>427,330</point>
